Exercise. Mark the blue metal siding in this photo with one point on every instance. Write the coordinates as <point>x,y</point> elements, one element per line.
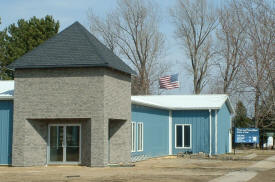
<point>199,121</point>
<point>223,129</point>
<point>6,118</point>
<point>155,130</point>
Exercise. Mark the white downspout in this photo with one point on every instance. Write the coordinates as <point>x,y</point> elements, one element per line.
<point>170,133</point>
<point>216,132</point>
<point>230,135</point>
<point>210,132</point>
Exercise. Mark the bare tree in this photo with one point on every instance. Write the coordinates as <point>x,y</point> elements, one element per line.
<point>259,51</point>
<point>266,116</point>
<point>104,29</point>
<point>132,31</point>
<point>195,23</point>
<point>230,44</point>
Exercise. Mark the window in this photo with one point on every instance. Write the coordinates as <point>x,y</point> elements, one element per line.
<point>183,136</point>
<point>133,137</point>
<point>140,136</point>
<point>137,137</point>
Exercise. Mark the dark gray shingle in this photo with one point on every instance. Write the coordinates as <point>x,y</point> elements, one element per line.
<point>73,47</point>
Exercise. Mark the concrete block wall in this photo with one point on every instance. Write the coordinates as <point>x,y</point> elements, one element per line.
<point>36,134</point>
<point>93,94</point>
<point>118,113</point>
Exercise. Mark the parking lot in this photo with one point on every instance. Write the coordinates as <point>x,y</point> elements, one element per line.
<point>190,168</point>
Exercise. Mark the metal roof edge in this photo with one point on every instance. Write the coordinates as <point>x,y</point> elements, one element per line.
<point>106,65</point>
<point>150,105</point>
<point>171,108</point>
<point>231,108</point>
<point>226,101</point>
<point>181,95</point>
<point>59,66</point>
<point>197,108</point>
<point>6,97</point>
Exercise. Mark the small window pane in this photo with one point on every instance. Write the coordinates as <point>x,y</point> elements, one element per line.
<point>179,136</point>
<point>133,137</point>
<point>72,143</point>
<point>56,143</point>
<point>187,136</point>
<point>140,136</point>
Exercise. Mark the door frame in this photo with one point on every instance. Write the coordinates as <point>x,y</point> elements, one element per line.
<point>64,139</point>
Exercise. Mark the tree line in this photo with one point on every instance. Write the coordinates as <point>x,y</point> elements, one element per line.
<point>230,49</point>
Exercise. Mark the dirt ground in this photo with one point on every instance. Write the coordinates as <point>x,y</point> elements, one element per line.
<point>268,175</point>
<point>159,170</point>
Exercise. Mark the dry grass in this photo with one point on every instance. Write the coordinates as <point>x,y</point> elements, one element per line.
<point>158,169</point>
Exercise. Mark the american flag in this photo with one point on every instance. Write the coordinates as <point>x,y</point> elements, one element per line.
<point>169,82</point>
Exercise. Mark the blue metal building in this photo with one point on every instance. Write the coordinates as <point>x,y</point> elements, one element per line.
<point>161,125</point>
<point>6,118</point>
<point>172,124</point>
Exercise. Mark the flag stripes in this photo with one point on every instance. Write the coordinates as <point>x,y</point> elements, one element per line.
<point>169,82</point>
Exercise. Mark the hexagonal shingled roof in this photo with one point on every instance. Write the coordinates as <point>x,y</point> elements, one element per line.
<point>73,47</point>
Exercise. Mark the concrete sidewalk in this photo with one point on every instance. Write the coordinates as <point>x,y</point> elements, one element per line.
<point>247,173</point>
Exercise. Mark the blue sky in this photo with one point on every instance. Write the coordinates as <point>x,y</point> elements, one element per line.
<point>69,11</point>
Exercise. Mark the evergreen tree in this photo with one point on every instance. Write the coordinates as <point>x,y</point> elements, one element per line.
<point>18,39</point>
<point>241,120</point>
<point>2,44</point>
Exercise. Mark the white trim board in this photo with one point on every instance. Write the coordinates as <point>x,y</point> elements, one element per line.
<point>170,133</point>
<point>210,132</point>
<point>138,137</point>
<point>133,139</point>
<point>216,131</point>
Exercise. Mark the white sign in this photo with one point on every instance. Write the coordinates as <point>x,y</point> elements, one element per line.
<point>270,141</point>
<point>254,139</point>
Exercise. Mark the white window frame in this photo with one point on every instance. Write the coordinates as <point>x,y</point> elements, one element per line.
<point>182,125</point>
<point>133,143</point>
<point>138,136</point>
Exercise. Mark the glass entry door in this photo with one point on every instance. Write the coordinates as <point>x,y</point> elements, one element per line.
<point>64,144</point>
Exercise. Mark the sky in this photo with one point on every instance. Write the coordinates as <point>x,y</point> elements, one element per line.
<point>69,11</point>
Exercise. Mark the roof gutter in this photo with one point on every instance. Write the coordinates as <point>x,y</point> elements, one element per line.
<point>172,108</point>
<point>6,97</point>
